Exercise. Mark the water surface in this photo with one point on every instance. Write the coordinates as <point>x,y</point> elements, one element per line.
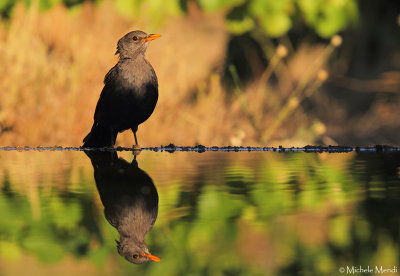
<point>219,213</point>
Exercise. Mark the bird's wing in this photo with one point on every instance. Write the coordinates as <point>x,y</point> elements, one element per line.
<point>106,93</point>
<point>111,75</point>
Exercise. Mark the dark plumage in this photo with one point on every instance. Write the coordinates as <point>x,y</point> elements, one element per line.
<point>130,202</point>
<point>129,95</point>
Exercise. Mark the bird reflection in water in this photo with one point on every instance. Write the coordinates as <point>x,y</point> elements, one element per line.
<point>130,202</point>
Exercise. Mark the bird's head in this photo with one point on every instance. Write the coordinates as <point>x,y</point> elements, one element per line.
<point>134,43</point>
<point>135,252</point>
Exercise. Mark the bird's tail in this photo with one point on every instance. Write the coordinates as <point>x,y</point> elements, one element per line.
<point>100,137</point>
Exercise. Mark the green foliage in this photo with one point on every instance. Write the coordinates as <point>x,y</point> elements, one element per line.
<point>157,11</point>
<point>9,250</point>
<point>270,17</point>
<point>273,17</point>
<point>217,5</point>
<point>45,4</point>
<point>41,242</point>
<point>329,17</point>
<point>276,18</point>
<point>6,7</point>
<point>294,208</point>
<point>212,200</point>
<point>339,231</point>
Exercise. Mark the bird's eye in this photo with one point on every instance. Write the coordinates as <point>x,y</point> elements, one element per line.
<point>135,38</point>
<point>135,256</point>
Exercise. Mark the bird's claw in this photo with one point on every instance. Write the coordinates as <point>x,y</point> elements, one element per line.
<point>136,149</point>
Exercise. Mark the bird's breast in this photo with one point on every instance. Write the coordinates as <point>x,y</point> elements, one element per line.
<point>131,93</point>
<point>136,73</point>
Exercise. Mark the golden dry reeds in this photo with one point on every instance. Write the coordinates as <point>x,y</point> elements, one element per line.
<point>52,65</point>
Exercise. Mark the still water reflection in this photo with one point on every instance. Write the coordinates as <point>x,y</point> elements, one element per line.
<point>130,202</point>
<point>262,213</point>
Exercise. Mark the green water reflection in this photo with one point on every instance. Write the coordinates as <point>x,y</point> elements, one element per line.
<point>259,213</point>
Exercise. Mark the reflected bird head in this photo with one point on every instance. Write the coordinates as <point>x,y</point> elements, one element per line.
<point>135,252</point>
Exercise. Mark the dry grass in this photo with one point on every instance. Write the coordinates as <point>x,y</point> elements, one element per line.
<point>52,65</point>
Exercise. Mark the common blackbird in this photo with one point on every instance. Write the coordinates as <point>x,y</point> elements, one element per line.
<point>129,95</point>
<point>130,202</point>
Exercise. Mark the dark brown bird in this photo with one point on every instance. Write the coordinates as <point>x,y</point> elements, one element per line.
<point>129,95</point>
<point>130,202</point>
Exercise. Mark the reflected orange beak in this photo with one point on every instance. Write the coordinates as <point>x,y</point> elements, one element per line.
<point>152,257</point>
<point>151,37</point>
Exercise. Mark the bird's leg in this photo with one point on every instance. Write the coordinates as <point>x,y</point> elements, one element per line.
<point>112,138</point>
<point>134,133</point>
<point>136,147</point>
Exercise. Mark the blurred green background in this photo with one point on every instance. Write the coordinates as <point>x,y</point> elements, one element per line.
<point>220,213</point>
<point>271,18</point>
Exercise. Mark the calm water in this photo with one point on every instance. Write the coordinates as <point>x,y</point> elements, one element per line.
<point>219,213</point>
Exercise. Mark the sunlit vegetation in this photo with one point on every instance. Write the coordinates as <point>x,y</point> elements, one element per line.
<point>213,88</point>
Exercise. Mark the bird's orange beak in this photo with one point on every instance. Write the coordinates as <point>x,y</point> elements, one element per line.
<point>151,37</point>
<point>152,257</point>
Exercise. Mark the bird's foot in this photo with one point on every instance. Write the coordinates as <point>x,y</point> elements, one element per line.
<point>136,149</point>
